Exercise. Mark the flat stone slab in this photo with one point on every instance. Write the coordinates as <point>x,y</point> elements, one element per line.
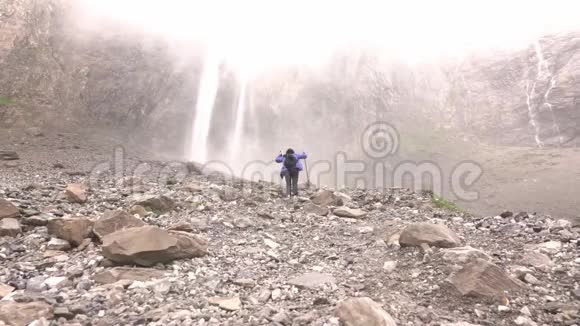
<point>312,280</point>
<point>226,303</point>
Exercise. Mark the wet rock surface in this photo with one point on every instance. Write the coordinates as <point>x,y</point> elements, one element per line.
<point>261,259</point>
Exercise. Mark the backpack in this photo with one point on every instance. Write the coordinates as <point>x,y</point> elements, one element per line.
<point>290,162</point>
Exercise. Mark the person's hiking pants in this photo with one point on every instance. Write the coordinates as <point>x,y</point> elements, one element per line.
<point>291,182</point>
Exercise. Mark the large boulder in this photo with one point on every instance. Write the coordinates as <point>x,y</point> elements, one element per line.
<point>9,227</point>
<point>8,210</point>
<point>76,193</point>
<point>24,313</point>
<point>481,278</point>
<point>157,204</point>
<point>71,229</point>
<point>113,221</point>
<point>326,198</point>
<point>349,212</point>
<point>363,311</point>
<point>435,235</point>
<point>149,245</point>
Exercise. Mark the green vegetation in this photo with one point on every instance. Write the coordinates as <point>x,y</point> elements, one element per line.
<point>5,100</point>
<point>443,203</point>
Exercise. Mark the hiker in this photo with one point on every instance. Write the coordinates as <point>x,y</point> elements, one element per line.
<point>291,167</point>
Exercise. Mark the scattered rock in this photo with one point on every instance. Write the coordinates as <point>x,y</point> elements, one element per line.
<point>243,222</point>
<point>71,229</point>
<point>5,290</point>
<point>311,208</point>
<point>537,260</point>
<point>149,245</point>
<point>363,311</point>
<point>525,321</point>
<point>462,255</point>
<point>63,312</point>
<point>127,273</point>
<point>389,266</point>
<point>138,210</point>
<point>113,221</point>
<point>349,212</point>
<point>245,282</point>
<point>157,204</point>
<point>326,198</point>
<point>312,280</point>
<point>229,194</point>
<point>435,235</point>
<point>482,278</point>
<point>24,313</point>
<point>9,227</point>
<point>226,303</point>
<point>8,156</point>
<point>193,188</point>
<point>550,247</point>
<point>8,210</point>
<point>56,282</point>
<point>76,193</point>
<point>58,244</point>
<point>183,227</point>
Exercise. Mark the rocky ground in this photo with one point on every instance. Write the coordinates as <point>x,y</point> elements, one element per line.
<point>161,244</point>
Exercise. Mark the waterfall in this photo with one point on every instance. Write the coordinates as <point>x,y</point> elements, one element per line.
<point>208,87</point>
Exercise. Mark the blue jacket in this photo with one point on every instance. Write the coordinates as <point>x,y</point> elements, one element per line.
<point>298,156</point>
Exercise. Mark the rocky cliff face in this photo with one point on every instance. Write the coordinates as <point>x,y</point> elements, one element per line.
<point>60,73</point>
<point>528,97</point>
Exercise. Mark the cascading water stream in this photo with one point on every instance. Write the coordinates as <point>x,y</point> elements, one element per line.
<point>208,88</point>
<point>240,116</point>
<point>543,72</point>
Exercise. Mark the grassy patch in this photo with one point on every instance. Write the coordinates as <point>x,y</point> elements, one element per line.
<point>445,204</point>
<point>5,100</point>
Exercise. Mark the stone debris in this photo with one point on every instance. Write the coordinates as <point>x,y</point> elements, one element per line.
<point>482,278</point>
<point>76,193</point>
<point>157,204</point>
<point>436,235</point>
<point>226,303</point>
<point>113,221</point>
<point>8,210</point>
<point>311,208</point>
<point>9,227</point>
<point>71,229</point>
<point>150,245</point>
<point>24,313</point>
<point>311,280</point>
<point>462,255</point>
<point>8,156</point>
<point>326,198</point>
<point>58,244</point>
<point>363,311</point>
<point>349,212</point>
<point>127,273</point>
<point>5,290</point>
<point>135,253</point>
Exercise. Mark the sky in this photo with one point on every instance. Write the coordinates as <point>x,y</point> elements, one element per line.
<point>273,32</point>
